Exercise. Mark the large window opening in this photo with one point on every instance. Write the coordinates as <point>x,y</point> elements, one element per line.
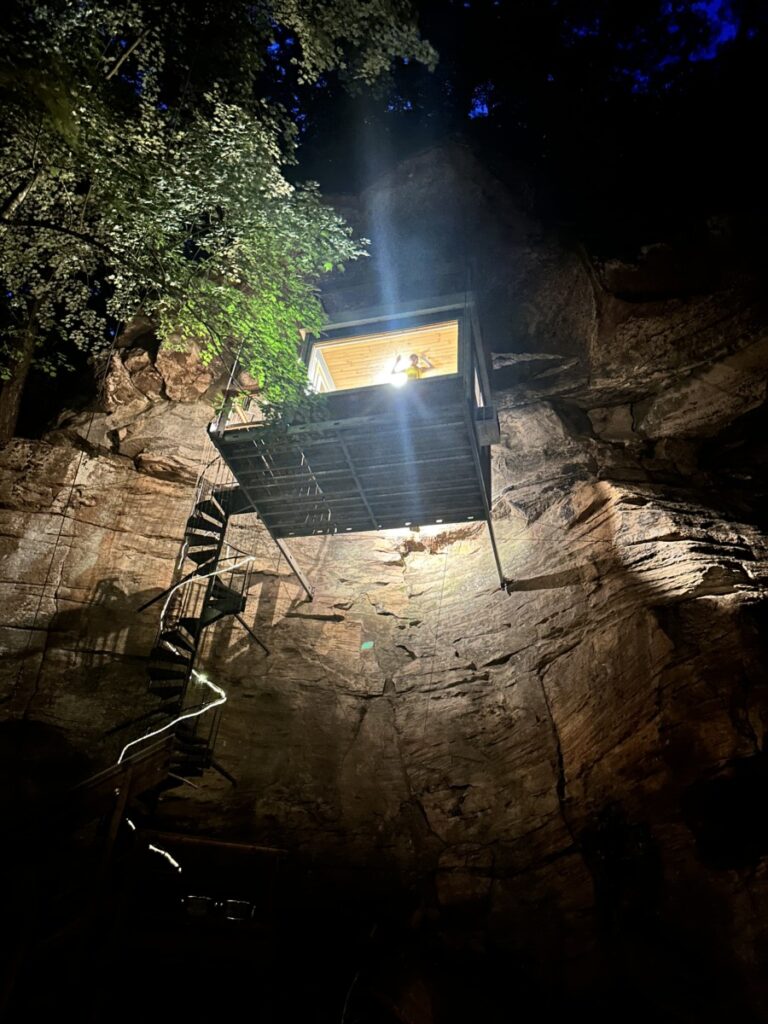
<point>362,360</point>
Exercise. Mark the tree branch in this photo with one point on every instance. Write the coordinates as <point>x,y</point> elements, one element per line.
<point>116,67</point>
<point>85,204</point>
<point>47,225</point>
<point>18,196</point>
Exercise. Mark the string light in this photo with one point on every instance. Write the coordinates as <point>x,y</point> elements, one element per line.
<point>205,576</point>
<point>164,853</point>
<point>221,696</point>
<point>194,713</point>
<point>156,849</point>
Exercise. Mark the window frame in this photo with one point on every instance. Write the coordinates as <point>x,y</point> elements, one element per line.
<point>358,323</point>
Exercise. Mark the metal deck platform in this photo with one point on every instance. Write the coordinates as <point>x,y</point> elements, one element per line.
<point>379,458</point>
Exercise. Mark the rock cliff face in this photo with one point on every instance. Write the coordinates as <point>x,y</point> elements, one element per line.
<point>573,768</point>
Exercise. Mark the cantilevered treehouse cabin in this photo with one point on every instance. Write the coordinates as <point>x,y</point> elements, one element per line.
<point>390,449</point>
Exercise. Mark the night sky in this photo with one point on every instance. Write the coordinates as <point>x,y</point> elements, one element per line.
<point>633,119</point>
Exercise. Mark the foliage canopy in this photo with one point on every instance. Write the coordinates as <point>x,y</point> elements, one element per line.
<point>142,169</point>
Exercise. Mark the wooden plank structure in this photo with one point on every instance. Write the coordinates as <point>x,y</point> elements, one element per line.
<point>379,458</point>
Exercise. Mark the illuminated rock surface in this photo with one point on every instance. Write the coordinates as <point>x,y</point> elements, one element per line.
<point>572,767</point>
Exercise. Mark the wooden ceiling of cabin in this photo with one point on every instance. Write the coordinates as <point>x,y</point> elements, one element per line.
<point>369,359</point>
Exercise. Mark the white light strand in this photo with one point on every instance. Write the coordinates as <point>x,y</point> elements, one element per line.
<point>221,695</point>
<point>164,853</point>
<point>182,554</point>
<point>194,713</point>
<point>191,579</point>
<point>156,849</point>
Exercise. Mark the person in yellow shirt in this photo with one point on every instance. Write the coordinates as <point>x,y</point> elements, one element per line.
<point>415,368</point>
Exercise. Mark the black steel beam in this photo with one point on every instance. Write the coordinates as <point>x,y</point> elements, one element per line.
<point>376,468</point>
<point>308,589</point>
<point>337,498</point>
<point>486,505</point>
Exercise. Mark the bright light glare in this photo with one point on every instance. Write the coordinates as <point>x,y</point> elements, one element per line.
<point>398,379</point>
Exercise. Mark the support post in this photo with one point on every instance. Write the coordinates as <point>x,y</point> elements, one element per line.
<point>230,394</point>
<point>248,630</point>
<point>502,578</point>
<point>486,504</point>
<point>295,568</point>
<point>122,795</point>
<point>356,478</point>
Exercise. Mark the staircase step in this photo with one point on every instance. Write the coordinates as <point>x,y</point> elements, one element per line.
<point>201,757</point>
<point>222,600</point>
<point>160,653</point>
<point>225,597</point>
<point>211,507</point>
<point>190,625</point>
<point>184,735</point>
<point>179,638</point>
<point>197,524</point>
<point>199,749</point>
<point>167,692</point>
<point>220,589</point>
<point>187,734</point>
<point>214,614</point>
<point>233,500</point>
<point>199,760</point>
<point>197,752</point>
<point>202,556</point>
<point>197,540</point>
<point>167,673</point>
<point>171,705</point>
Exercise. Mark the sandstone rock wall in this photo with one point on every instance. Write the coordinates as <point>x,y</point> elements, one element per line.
<point>573,766</point>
